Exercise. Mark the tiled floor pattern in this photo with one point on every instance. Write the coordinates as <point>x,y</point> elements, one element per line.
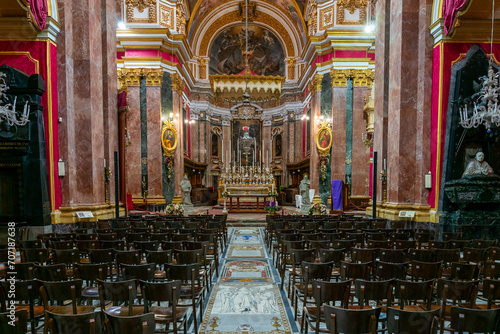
<point>246,297</point>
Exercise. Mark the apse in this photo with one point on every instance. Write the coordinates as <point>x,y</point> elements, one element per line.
<point>265,52</point>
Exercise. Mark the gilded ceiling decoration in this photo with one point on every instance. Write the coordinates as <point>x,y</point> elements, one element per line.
<point>167,17</point>
<point>141,5</point>
<point>361,78</point>
<point>351,6</point>
<point>132,76</point>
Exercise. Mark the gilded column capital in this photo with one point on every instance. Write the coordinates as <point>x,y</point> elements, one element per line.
<point>361,78</point>
<point>315,83</point>
<point>177,83</point>
<point>132,76</point>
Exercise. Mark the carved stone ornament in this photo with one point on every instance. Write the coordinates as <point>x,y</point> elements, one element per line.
<point>177,83</point>
<point>327,18</point>
<point>312,23</point>
<point>180,19</point>
<point>203,68</point>
<point>291,69</point>
<point>361,78</point>
<point>141,5</point>
<point>351,6</point>
<point>132,76</point>
<point>252,11</point>
<point>315,83</point>
<point>167,17</point>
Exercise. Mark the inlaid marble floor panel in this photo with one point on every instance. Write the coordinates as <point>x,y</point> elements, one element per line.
<point>246,297</point>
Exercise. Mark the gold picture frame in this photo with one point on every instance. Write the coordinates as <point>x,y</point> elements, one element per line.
<point>324,139</point>
<point>169,139</point>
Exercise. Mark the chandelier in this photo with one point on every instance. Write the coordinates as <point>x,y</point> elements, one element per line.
<point>487,111</point>
<point>8,113</point>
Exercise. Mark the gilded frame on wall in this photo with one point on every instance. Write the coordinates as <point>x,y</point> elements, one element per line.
<point>324,139</point>
<point>169,139</point>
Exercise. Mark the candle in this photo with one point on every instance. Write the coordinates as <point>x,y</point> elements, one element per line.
<point>385,164</point>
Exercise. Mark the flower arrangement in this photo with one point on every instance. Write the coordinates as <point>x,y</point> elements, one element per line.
<point>272,208</point>
<point>323,163</point>
<point>169,162</point>
<point>272,193</point>
<point>174,209</point>
<point>225,194</point>
<point>317,208</point>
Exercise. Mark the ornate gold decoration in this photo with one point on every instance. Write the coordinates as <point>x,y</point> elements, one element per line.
<point>291,69</point>
<point>324,133</point>
<point>169,138</point>
<point>369,110</point>
<point>181,20</point>
<point>203,68</point>
<point>312,24</point>
<point>178,83</point>
<point>351,6</point>
<point>361,78</point>
<point>252,11</point>
<point>132,76</point>
<point>326,18</point>
<point>141,5</point>
<point>315,83</point>
<point>167,17</point>
<point>260,17</point>
<point>231,87</point>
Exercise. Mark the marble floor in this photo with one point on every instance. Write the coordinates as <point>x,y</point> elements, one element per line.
<point>246,297</point>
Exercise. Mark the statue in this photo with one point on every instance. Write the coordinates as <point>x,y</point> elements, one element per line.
<point>478,166</point>
<point>304,191</point>
<point>186,191</point>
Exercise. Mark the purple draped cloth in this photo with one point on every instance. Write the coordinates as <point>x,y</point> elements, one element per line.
<point>450,11</point>
<point>337,194</point>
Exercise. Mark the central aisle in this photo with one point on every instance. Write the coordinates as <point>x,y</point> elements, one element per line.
<point>246,297</point>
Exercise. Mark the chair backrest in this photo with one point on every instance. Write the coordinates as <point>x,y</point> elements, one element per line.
<point>464,271</point>
<point>128,257</point>
<point>161,291</point>
<point>387,270</point>
<point>474,255</point>
<point>159,257</point>
<point>183,272</point>
<point>493,254</point>
<point>38,255</point>
<point>438,244</point>
<point>299,255</point>
<point>189,256</point>
<point>32,244</point>
<point>139,271</point>
<point>171,245</point>
<point>415,322</point>
<point>447,256</point>
<point>122,291</point>
<point>491,291</point>
<point>421,255</point>
<point>106,255</point>
<point>457,291</point>
<point>58,292</point>
<point>350,270</point>
<point>26,291</point>
<point>113,244</point>
<point>25,271</point>
<point>425,270</point>
<point>91,272</point>
<point>479,243</point>
<point>339,320</point>
<point>491,269</point>
<point>56,272</point>
<point>16,325</point>
<point>332,255</point>
<point>363,254</point>
<point>378,291</point>
<point>62,244</point>
<point>325,292</point>
<point>409,292</point>
<point>139,324</point>
<point>391,255</point>
<point>474,321</point>
<point>317,270</point>
<point>66,256</point>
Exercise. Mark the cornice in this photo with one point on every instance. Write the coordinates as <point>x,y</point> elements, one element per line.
<point>361,78</point>
<point>132,76</point>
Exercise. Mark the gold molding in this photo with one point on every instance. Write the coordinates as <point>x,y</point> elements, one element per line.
<point>324,151</point>
<point>361,78</point>
<point>351,6</point>
<point>67,214</point>
<point>177,83</point>
<point>167,17</point>
<point>203,68</point>
<point>315,83</point>
<point>260,18</point>
<point>326,18</point>
<point>181,20</point>
<point>291,69</point>
<point>168,148</point>
<point>141,5</point>
<point>132,76</point>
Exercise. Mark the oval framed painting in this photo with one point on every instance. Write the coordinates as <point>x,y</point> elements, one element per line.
<point>169,139</point>
<point>324,139</point>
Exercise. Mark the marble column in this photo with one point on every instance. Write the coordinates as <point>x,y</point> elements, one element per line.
<point>360,154</point>
<point>315,88</point>
<point>339,133</point>
<point>268,145</point>
<point>81,103</point>
<point>179,152</point>
<point>133,151</point>
<point>155,152</point>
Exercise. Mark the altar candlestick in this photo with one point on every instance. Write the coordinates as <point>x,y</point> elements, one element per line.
<point>385,164</point>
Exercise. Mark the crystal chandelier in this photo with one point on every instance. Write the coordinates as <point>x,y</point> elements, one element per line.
<point>487,111</point>
<point>8,113</point>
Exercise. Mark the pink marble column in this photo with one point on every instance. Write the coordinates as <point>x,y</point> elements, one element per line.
<point>179,152</point>
<point>133,152</point>
<point>339,133</point>
<point>360,154</point>
<point>80,55</point>
<point>155,152</point>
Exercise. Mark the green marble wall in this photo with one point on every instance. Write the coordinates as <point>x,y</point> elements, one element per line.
<point>348,133</point>
<point>326,111</point>
<point>167,106</point>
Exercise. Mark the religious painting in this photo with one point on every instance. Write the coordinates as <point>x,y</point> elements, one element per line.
<point>169,139</point>
<point>265,52</point>
<point>278,146</point>
<point>246,143</point>
<point>215,145</point>
<point>324,139</point>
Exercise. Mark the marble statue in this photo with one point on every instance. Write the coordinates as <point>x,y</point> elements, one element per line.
<point>478,166</point>
<point>304,191</point>
<point>186,191</point>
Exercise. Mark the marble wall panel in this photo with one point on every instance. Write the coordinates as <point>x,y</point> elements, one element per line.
<point>360,155</point>
<point>339,133</point>
<point>133,152</point>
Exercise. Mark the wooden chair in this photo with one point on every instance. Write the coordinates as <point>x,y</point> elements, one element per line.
<point>491,292</point>
<point>126,257</point>
<point>20,322</point>
<point>464,271</point>
<point>353,271</point>
<point>160,259</point>
<point>415,322</point>
<point>56,272</point>
<point>55,294</point>
<point>295,271</point>
<point>392,255</point>
<point>172,313</point>
<point>491,270</point>
<point>364,255</point>
<point>122,294</point>
<point>473,321</point>
<point>421,255</point>
<point>90,273</point>
<point>68,257</point>
<point>139,324</point>
<point>388,270</point>
<point>38,255</point>
<point>339,320</point>
<point>425,270</point>
<point>414,296</point>
<point>138,271</point>
<point>324,293</point>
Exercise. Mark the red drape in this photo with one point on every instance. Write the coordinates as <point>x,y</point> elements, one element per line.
<point>450,11</point>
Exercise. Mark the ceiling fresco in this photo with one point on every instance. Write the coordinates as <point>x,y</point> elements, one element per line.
<point>265,52</point>
<point>293,8</point>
